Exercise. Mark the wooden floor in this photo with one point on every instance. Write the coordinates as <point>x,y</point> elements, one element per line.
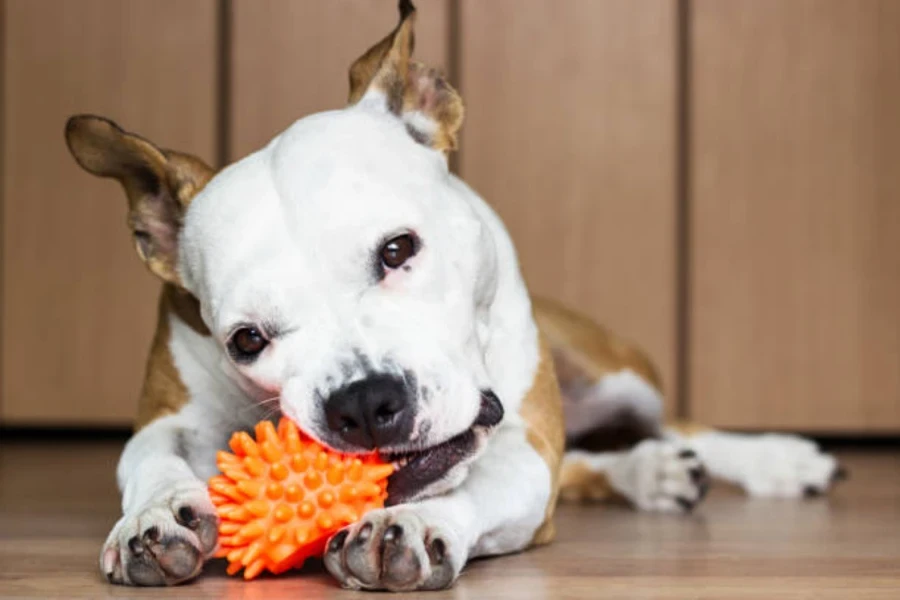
<point>57,504</point>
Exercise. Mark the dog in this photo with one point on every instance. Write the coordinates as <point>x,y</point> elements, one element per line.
<point>344,278</point>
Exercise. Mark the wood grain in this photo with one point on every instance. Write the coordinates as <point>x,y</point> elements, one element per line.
<point>79,308</point>
<point>291,59</point>
<point>570,135</point>
<point>796,215</point>
<point>57,503</point>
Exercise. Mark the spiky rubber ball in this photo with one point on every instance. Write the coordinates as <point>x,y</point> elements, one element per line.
<point>281,496</point>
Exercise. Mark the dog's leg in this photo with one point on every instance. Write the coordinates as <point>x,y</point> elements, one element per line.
<point>618,400</point>
<point>655,475</point>
<point>425,544</point>
<point>623,408</point>
<point>169,525</point>
<point>764,465</point>
<point>669,474</point>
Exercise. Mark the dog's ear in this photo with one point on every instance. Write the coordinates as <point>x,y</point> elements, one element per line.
<point>431,109</point>
<point>160,185</point>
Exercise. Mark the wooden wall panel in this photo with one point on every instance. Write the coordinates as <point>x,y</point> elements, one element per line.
<point>796,214</point>
<point>570,135</point>
<point>290,59</point>
<point>79,307</point>
<point>2,154</point>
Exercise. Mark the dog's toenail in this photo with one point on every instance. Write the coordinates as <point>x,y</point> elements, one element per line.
<point>363,536</point>
<point>187,516</point>
<point>394,532</point>
<point>704,488</point>
<point>697,474</point>
<point>684,503</point>
<point>151,534</point>
<point>437,551</point>
<point>811,491</point>
<point>135,545</point>
<point>840,474</point>
<point>337,542</point>
<point>687,453</point>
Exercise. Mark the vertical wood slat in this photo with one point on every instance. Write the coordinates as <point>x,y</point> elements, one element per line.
<point>570,135</point>
<point>290,59</point>
<point>796,215</point>
<point>78,307</point>
<point>3,36</point>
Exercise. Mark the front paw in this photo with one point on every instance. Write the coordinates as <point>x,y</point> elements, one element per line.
<point>164,543</point>
<point>786,466</point>
<point>394,549</point>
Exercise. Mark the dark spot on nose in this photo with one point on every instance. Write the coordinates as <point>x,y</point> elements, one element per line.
<point>371,413</point>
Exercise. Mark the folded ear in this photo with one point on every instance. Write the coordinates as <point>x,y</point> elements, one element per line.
<point>387,76</point>
<point>160,185</point>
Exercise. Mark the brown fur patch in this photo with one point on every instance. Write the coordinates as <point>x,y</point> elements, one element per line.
<point>384,65</point>
<point>186,307</point>
<point>159,184</point>
<point>579,483</point>
<point>164,392</point>
<point>542,412</point>
<point>687,428</point>
<point>428,92</point>
<point>590,351</point>
<point>409,87</point>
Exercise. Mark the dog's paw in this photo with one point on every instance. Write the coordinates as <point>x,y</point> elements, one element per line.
<point>165,543</point>
<point>660,476</point>
<point>784,466</point>
<point>394,549</point>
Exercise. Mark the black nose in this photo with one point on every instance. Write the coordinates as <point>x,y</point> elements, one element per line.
<point>371,413</point>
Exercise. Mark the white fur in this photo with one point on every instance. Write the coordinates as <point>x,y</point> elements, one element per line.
<point>655,475</point>
<point>286,238</point>
<point>610,398</point>
<point>769,465</point>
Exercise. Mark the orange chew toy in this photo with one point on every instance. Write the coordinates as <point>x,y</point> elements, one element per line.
<point>281,497</point>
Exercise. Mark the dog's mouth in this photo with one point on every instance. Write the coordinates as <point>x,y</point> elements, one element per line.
<point>419,469</point>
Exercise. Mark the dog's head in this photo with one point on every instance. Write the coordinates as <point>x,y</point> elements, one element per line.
<point>342,268</point>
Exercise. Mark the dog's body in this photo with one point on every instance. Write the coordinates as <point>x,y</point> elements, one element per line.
<point>343,277</point>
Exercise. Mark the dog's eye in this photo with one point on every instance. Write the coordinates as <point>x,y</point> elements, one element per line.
<point>397,251</point>
<point>246,344</point>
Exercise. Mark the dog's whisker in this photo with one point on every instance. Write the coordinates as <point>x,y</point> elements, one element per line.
<point>266,401</point>
<point>270,413</point>
<point>270,404</point>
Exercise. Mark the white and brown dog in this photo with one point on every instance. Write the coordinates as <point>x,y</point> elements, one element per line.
<point>343,277</point>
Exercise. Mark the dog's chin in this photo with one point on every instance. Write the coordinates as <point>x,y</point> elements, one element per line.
<point>439,468</point>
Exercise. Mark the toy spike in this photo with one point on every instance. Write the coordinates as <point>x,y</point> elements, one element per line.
<point>281,496</point>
